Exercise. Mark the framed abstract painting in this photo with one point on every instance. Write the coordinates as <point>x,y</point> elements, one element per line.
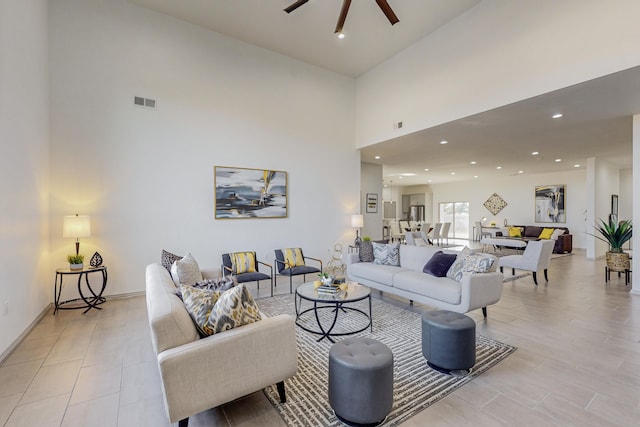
<point>250,193</point>
<point>550,203</point>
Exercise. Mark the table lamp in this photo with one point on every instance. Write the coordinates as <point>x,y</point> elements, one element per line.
<point>357,222</point>
<point>76,226</point>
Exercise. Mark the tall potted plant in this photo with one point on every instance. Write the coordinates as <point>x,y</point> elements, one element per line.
<point>615,235</point>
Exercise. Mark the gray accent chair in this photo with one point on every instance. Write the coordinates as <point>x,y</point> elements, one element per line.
<point>256,276</point>
<point>285,270</point>
<point>536,257</point>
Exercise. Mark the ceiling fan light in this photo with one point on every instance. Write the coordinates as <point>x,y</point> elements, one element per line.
<point>341,36</point>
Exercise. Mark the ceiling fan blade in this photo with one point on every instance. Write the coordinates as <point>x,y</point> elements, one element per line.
<point>295,5</point>
<point>343,16</point>
<point>386,9</point>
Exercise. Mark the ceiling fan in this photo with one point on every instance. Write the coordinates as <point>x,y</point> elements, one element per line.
<point>384,6</point>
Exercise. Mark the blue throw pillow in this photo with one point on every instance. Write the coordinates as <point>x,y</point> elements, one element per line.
<point>439,264</point>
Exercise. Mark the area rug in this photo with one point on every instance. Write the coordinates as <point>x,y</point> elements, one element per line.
<point>416,385</point>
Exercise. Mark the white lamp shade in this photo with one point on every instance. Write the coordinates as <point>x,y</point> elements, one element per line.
<point>357,221</point>
<point>75,226</point>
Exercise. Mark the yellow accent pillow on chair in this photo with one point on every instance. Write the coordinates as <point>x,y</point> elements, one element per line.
<point>243,262</point>
<point>546,233</point>
<point>293,257</point>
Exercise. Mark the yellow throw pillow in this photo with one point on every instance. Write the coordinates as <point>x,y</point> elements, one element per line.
<point>243,262</point>
<point>293,257</point>
<point>515,232</point>
<point>546,233</point>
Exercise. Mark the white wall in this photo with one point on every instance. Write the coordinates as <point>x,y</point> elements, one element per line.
<point>26,282</point>
<point>518,192</point>
<point>146,176</point>
<point>499,52</point>
<point>603,182</point>
<point>371,182</point>
<point>625,202</point>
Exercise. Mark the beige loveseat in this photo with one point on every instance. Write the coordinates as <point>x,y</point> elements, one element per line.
<point>201,373</point>
<point>475,290</point>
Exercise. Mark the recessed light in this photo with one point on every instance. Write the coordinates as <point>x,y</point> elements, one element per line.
<point>407,174</point>
<point>377,157</point>
<point>453,173</point>
<point>558,160</point>
<point>576,166</point>
<point>473,163</point>
<point>499,167</point>
<point>475,176</point>
<point>401,177</point>
<point>557,116</point>
<point>429,181</point>
<point>340,36</point>
<point>535,153</point>
<point>426,170</point>
<point>520,171</point>
<point>444,142</point>
<point>385,186</point>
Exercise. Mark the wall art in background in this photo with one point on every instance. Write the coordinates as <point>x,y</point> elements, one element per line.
<point>250,193</point>
<point>550,203</point>
<point>372,203</point>
<point>495,204</point>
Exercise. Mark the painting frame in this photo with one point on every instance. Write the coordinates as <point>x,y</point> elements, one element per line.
<point>372,203</point>
<point>245,193</point>
<point>550,203</point>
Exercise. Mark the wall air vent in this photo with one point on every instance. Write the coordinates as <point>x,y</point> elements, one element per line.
<point>144,102</point>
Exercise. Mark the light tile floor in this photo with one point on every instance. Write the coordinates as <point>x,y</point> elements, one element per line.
<point>577,363</point>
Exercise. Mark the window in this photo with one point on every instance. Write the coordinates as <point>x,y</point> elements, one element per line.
<point>457,213</point>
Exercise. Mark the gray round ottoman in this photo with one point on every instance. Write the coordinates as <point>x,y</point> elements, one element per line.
<point>448,341</point>
<point>361,381</point>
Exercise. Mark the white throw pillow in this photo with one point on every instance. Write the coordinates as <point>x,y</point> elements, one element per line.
<point>186,271</point>
<point>556,233</point>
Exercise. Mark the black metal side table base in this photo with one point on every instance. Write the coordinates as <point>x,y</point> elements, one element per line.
<point>92,300</point>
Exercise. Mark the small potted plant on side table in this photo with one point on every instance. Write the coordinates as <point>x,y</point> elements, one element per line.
<point>76,262</point>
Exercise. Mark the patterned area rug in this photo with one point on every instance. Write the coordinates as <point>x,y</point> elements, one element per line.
<point>416,385</point>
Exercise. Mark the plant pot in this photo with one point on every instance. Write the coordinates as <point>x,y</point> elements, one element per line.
<point>76,266</point>
<point>618,261</point>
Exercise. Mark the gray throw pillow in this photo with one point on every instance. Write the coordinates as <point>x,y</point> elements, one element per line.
<point>386,254</point>
<point>456,270</point>
<point>217,284</point>
<point>167,259</point>
<point>366,251</point>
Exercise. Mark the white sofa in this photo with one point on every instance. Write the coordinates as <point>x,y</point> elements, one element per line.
<point>476,290</point>
<point>202,373</point>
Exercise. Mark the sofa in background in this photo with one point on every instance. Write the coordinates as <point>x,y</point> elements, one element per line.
<point>474,291</point>
<point>201,373</point>
<point>564,242</point>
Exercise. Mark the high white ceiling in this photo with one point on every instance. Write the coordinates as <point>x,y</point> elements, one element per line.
<point>597,114</point>
<point>307,33</point>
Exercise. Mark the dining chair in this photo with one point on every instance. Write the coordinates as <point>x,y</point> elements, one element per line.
<point>479,231</point>
<point>434,235</point>
<point>396,233</point>
<point>444,232</point>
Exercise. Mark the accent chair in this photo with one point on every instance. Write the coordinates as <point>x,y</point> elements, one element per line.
<point>245,266</point>
<point>292,262</point>
<point>536,257</point>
